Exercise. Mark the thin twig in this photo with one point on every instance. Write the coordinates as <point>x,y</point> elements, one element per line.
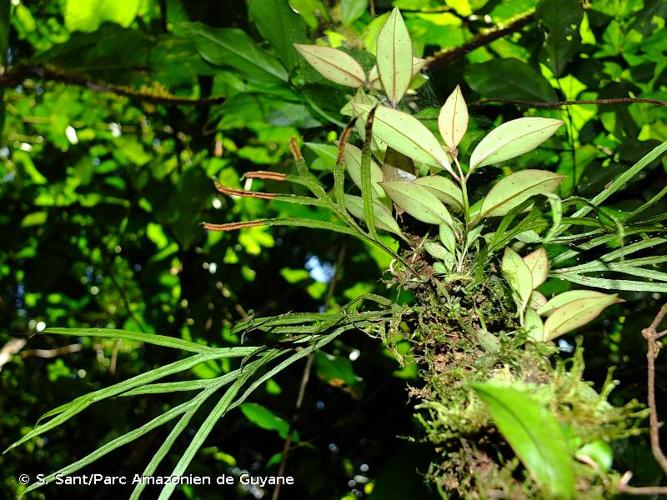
<point>446,56</point>
<point>20,74</point>
<point>557,104</point>
<point>650,334</point>
<point>51,353</point>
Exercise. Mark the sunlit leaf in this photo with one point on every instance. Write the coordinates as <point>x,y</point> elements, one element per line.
<point>511,139</point>
<point>88,15</point>
<point>537,300</point>
<point>453,119</point>
<point>394,56</point>
<point>513,190</point>
<point>334,64</point>
<point>534,435</point>
<point>418,201</point>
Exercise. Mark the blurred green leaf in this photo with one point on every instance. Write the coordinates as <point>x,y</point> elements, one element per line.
<point>534,435</point>
<point>560,21</point>
<point>509,79</point>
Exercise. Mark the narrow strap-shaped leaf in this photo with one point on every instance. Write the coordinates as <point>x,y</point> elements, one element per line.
<point>613,284</point>
<point>126,438</point>
<point>81,403</point>
<point>150,338</point>
<point>218,411</point>
<point>285,221</point>
<point>366,181</point>
<point>339,167</point>
<point>175,433</point>
<point>623,179</point>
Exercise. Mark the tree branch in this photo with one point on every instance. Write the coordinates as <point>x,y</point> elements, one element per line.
<point>19,74</point>
<point>650,334</point>
<point>557,104</point>
<point>446,56</point>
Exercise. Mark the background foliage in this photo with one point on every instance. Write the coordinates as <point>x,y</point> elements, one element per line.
<point>118,115</point>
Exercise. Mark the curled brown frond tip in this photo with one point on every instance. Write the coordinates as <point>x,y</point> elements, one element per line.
<point>294,148</point>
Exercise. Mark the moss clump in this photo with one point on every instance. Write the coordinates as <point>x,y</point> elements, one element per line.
<point>464,330</point>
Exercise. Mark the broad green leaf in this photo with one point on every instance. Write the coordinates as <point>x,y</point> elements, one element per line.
<point>535,436</point>
<point>436,250</point>
<point>537,300</point>
<point>88,15</point>
<point>394,57</point>
<point>353,166</point>
<point>266,419</point>
<point>538,263</point>
<point>511,139</point>
<point>334,65</point>
<point>280,26</point>
<point>513,190</point>
<point>418,201</point>
<point>351,10</point>
<point>518,275</point>
<point>231,47</point>
<point>444,189</point>
<point>534,325</point>
<point>447,237</point>
<point>599,452</point>
<point>383,217</point>
<point>453,119</point>
<point>407,135</point>
<point>566,297</point>
<point>509,79</point>
<point>575,314</point>
<point>374,77</point>
<point>559,21</point>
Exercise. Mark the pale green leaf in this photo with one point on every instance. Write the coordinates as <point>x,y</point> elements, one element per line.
<point>513,190</point>
<point>444,189</point>
<point>394,56</point>
<point>575,314</point>
<point>418,201</point>
<point>567,297</point>
<point>447,237</point>
<point>374,77</point>
<point>333,64</point>
<point>535,436</point>
<point>537,300</point>
<point>512,139</point>
<point>383,217</point>
<point>407,135</point>
<point>436,250</point>
<point>88,15</point>
<point>453,119</point>
<point>518,275</point>
<point>534,325</point>
<point>538,263</point>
